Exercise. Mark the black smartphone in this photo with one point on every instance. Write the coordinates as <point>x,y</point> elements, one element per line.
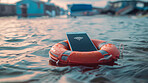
<point>79,41</point>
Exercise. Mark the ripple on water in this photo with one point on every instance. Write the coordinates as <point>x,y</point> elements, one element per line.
<point>17,48</point>
<point>122,40</point>
<point>143,74</point>
<point>15,40</point>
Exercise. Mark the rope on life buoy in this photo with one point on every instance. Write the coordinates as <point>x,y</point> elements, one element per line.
<point>57,62</point>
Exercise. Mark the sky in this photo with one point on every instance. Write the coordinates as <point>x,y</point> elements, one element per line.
<point>63,3</point>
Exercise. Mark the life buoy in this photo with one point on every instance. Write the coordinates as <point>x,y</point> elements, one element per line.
<point>61,53</point>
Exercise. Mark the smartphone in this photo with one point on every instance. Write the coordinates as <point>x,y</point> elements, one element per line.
<point>79,41</point>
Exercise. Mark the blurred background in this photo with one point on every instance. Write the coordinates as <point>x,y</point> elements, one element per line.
<point>36,8</point>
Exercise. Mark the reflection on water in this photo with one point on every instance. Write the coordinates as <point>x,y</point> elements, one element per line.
<point>25,43</point>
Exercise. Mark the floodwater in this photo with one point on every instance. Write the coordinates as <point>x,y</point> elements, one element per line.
<point>25,43</point>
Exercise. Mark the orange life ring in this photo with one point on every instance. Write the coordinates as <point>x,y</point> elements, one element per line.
<point>61,53</point>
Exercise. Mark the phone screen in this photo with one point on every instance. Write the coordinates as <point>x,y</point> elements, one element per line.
<point>79,41</point>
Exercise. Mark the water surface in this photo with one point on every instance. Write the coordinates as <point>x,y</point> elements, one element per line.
<point>25,43</point>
